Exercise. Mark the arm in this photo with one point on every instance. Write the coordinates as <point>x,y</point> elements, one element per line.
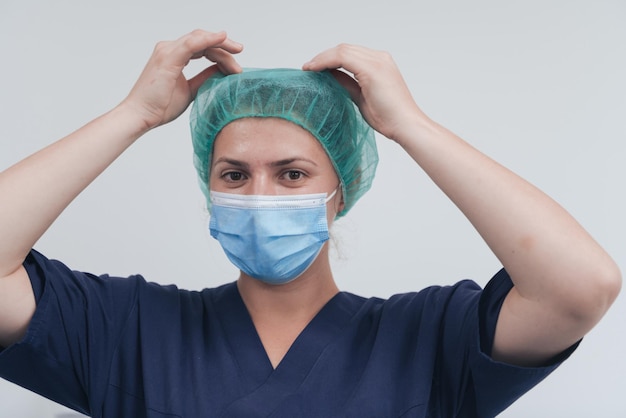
<point>35,191</point>
<point>564,281</point>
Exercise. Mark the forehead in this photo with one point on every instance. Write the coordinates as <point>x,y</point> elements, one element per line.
<point>267,138</point>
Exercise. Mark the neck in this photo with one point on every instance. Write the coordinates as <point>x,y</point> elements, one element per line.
<point>281,312</point>
<point>299,299</point>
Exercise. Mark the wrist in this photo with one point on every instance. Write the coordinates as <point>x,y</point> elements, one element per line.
<point>416,129</point>
<point>132,117</point>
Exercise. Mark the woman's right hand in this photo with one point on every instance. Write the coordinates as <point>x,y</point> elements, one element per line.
<point>162,92</point>
<point>55,175</point>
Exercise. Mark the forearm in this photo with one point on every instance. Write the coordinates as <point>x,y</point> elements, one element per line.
<point>546,252</point>
<point>564,281</point>
<point>35,191</point>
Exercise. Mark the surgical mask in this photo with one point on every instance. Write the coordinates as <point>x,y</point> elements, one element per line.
<point>271,238</point>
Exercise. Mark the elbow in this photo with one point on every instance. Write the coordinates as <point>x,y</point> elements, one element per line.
<point>612,284</point>
<point>598,294</point>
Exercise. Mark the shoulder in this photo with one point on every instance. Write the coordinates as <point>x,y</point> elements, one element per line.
<point>432,298</point>
<point>459,307</point>
<point>52,280</point>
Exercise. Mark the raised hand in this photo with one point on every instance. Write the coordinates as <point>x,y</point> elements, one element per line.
<point>55,175</point>
<point>162,92</point>
<point>563,280</point>
<point>377,88</point>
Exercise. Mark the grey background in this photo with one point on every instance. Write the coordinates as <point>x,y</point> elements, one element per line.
<point>538,85</point>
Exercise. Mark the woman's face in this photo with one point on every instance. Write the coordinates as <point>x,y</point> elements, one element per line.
<point>272,156</point>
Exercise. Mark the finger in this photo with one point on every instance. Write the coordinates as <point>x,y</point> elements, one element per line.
<point>195,44</point>
<point>196,81</point>
<point>349,83</point>
<point>352,58</point>
<point>228,45</point>
<point>224,60</point>
<point>199,38</point>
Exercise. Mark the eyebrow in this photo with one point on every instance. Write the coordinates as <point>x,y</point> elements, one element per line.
<point>288,161</point>
<point>230,161</point>
<point>279,163</point>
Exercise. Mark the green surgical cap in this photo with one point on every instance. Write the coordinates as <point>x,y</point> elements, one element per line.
<point>313,100</point>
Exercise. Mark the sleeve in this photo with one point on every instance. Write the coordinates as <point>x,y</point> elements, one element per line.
<point>493,386</point>
<point>73,334</point>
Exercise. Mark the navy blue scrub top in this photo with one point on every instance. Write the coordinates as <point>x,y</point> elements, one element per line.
<point>126,348</point>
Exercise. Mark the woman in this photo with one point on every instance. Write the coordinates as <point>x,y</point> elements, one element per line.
<point>289,343</point>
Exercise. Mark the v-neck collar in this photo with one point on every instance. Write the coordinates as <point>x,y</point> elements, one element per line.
<point>255,367</point>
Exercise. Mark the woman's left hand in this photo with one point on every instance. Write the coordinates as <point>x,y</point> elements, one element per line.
<point>377,88</point>
<point>564,282</point>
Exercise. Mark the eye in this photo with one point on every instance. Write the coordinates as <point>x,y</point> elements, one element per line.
<point>233,176</point>
<point>293,175</point>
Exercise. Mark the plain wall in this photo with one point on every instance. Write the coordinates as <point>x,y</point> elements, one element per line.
<point>538,85</point>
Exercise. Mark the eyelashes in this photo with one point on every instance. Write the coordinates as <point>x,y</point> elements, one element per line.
<point>290,175</point>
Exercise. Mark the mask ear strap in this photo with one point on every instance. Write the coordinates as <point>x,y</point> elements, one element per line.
<point>331,195</point>
<point>328,199</point>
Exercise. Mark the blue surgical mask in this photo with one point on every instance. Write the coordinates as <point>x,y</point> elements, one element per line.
<point>271,238</point>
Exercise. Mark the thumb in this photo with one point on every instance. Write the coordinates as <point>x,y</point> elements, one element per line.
<point>349,83</point>
<point>196,81</point>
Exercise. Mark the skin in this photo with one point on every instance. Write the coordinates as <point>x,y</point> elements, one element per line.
<point>55,175</point>
<point>564,282</point>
